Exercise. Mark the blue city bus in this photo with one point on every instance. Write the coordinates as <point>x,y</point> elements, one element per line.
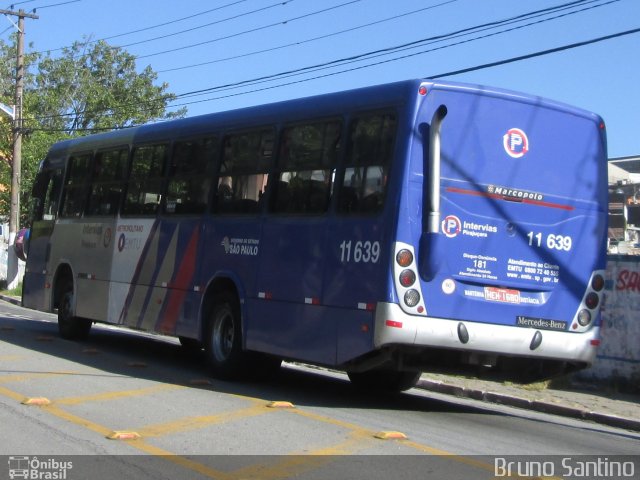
<point>383,231</point>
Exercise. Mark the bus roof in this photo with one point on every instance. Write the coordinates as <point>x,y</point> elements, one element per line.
<point>384,95</point>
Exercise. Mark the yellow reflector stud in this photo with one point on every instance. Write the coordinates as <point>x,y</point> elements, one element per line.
<point>123,435</point>
<point>38,401</point>
<point>390,436</point>
<point>280,404</point>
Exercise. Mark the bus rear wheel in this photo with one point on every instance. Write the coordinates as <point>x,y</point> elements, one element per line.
<point>71,327</point>
<point>223,344</point>
<point>379,380</point>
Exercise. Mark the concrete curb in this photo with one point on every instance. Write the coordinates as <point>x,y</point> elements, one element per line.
<point>535,405</point>
<point>14,300</point>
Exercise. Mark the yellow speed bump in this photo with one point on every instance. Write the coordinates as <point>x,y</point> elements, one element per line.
<point>280,404</point>
<point>123,435</point>
<point>38,401</point>
<point>390,436</point>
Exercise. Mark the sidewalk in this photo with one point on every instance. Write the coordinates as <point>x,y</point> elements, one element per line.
<point>576,400</point>
<point>584,401</point>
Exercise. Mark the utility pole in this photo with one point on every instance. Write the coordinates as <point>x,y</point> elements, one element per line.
<point>16,166</point>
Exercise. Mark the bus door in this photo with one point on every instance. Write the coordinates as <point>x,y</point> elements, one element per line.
<point>520,223</point>
<point>46,197</point>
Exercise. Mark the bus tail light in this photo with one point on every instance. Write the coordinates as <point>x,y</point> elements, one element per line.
<point>411,297</point>
<point>405,275</point>
<point>407,278</point>
<point>597,283</point>
<point>588,310</point>
<point>584,317</point>
<point>592,300</point>
<point>404,258</point>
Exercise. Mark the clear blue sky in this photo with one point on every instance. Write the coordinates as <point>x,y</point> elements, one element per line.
<point>247,39</point>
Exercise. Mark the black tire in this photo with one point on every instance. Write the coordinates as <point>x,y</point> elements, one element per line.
<point>71,327</point>
<point>223,343</point>
<point>388,381</point>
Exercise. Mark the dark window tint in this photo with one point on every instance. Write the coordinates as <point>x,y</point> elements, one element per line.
<point>46,194</point>
<point>109,172</point>
<point>76,187</point>
<point>190,175</point>
<point>242,179</point>
<point>369,154</point>
<point>144,188</point>
<point>307,158</point>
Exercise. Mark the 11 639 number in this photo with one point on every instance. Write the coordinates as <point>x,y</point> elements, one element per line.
<point>359,252</point>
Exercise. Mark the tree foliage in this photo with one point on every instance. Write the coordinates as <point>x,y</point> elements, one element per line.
<point>89,87</point>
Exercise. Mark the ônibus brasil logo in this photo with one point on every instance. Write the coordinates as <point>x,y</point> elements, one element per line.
<point>515,142</point>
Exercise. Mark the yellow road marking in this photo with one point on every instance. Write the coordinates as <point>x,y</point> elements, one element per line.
<point>356,440</point>
<point>98,397</point>
<point>11,394</point>
<point>30,376</point>
<point>195,423</point>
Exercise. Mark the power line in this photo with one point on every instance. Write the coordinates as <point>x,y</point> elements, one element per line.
<point>536,54</point>
<point>387,51</point>
<point>309,40</point>
<point>57,4</point>
<point>171,22</point>
<point>253,30</point>
<point>415,44</point>
<point>439,75</point>
<point>432,76</point>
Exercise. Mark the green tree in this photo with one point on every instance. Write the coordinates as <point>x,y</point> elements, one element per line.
<point>89,87</point>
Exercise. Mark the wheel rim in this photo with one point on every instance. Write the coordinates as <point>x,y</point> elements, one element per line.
<point>223,335</point>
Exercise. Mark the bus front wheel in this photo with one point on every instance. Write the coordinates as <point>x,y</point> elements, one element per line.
<point>223,344</point>
<point>71,327</point>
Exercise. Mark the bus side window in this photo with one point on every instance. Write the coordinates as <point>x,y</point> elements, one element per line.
<point>369,154</point>
<point>109,170</point>
<point>243,174</point>
<point>306,162</point>
<point>76,188</point>
<point>143,191</point>
<point>190,172</point>
<point>46,195</point>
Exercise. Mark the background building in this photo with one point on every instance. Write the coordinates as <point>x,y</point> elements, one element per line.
<point>624,205</point>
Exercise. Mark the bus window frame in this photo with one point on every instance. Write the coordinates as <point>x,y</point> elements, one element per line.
<point>341,174</point>
<point>123,181</point>
<point>167,143</point>
<point>268,170</point>
<point>278,169</point>
<point>210,174</point>
<point>65,191</point>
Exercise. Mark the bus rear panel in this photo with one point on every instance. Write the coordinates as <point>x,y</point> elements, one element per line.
<point>504,220</point>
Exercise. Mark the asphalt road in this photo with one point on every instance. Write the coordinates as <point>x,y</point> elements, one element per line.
<point>130,405</point>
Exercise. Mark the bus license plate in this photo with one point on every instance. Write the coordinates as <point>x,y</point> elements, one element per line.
<point>503,295</point>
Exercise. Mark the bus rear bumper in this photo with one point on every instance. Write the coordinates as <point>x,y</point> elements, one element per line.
<point>394,328</point>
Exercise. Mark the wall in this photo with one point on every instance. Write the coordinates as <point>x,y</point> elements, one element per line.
<point>618,359</point>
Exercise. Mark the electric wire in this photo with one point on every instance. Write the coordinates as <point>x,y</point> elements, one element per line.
<point>428,76</point>
<point>353,59</point>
